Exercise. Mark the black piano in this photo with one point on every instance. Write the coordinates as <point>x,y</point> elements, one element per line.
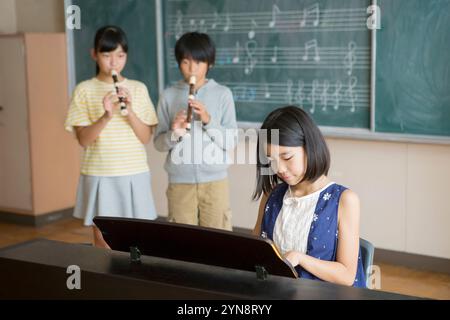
<point>160,260</point>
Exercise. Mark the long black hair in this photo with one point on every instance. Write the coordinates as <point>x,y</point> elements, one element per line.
<point>294,128</point>
<point>107,39</point>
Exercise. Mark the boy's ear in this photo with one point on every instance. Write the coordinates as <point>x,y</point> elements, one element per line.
<point>93,54</point>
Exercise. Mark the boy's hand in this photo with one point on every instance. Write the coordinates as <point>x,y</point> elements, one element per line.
<point>200,109</point>
<point>179,124</point>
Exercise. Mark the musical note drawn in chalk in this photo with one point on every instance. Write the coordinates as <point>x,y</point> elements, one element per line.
<point>239,93</point>
<point>251,94</point>
<point>192,25</point>
<point>179,25</point>
<point>311,44</point>
<point>236,53</point>
<point>290,83</point>
<point>337,94</point>
<point>266,91</point>
<point>202,27</point>
<point>251,33</point>
<point>216,20</point>
<point>352,96</point>
<point>350,58</point>
<point>324,95</point>
<point>313,96</point>
<point>227,24</point>
<point>299,95</point>
<point>311,10</point>
<point>274,57</point>
<point>250,61</point>
<point>275,11</point>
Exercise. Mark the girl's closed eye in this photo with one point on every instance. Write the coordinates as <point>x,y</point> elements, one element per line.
<point>287,157</point>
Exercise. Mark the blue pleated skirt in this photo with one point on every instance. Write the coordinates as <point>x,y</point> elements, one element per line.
<point>125,196</point>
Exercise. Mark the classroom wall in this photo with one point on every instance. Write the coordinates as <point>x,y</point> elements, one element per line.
<point>30,11</point>
<point>8,23</point>
<point>31,16</point>
<point>403,186</point>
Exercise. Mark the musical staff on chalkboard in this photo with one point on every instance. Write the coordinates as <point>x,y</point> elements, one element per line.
<point>309,56</point>
<point>273,53</point>
<point>327,95</point>
<point>273,21</point>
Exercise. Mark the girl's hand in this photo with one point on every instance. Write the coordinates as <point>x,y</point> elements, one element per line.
<point>108,104</point>
<point>200,109</point>
<point>293,257</point>
<point>126,95</point>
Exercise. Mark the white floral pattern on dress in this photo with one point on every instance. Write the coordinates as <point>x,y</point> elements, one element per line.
<point>326,196</point>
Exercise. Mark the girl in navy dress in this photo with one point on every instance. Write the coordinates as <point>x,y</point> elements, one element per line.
<point>313,221</point>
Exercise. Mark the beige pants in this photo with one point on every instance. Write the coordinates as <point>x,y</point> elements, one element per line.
<point>204,204</point>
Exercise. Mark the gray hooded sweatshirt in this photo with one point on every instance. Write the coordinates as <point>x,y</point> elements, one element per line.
<point>201,155</point>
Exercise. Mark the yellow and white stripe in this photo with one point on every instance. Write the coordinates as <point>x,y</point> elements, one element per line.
<point>117,151</point>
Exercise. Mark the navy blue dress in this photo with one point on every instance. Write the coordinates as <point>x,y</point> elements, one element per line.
<point>323,235</point>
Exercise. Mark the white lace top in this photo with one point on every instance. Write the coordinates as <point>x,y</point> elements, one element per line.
<point>294,221</point>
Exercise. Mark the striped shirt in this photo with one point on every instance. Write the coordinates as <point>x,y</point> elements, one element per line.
<point>117,151</point>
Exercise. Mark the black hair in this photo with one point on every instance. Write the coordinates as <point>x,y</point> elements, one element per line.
<point>107,39</point>
<point>295,128</point>
<point>195,45</point>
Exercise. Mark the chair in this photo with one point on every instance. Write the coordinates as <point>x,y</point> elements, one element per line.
<point>367,252</point>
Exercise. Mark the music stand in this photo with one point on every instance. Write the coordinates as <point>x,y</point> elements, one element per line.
<point>194,244</point>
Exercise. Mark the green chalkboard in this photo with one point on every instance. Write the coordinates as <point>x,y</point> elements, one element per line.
<point>413,67</point>
<point>137,19</point>
<point>316,54</point>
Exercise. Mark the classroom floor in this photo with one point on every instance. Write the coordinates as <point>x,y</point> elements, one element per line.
<point>393,278</point>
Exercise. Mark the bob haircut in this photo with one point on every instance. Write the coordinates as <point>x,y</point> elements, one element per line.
<point>108,38</point>
<point>197,46</point>
<point>295,128</point>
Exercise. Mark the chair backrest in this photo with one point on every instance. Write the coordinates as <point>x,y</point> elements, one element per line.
<point>367,252</point>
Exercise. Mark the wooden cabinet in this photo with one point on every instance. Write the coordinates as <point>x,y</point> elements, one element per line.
<point>39,161</point>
